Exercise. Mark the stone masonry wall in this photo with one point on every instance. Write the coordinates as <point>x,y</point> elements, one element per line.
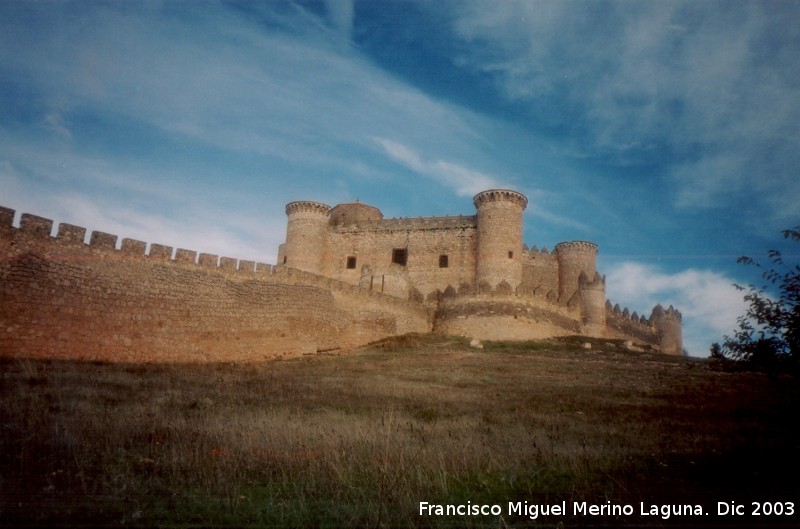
<point>61,298</point>
<point>497,316</point>
<point>125,300</point>
<point>426,241</point>
<point>540,270</point>
<point>432,260</point>
<point>622,324</point>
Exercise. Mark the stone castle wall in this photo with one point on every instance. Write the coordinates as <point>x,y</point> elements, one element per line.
<point>574,259</point>
<point>352,242</point>
<point>503,315</point>
<point>546,294</point>
<point>663,327</point>
<point>629,326</point>
<point>425,241</point>
<point>62,298</point>
<point>540,270</point>
<point>337,285</point>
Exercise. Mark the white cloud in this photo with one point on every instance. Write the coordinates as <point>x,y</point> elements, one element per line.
<point>54,122</point>
<point>468,182</point>
<point>199,230</point>
<point>210,81</point>
<point>341,14</point>
<point>202,229</point>
<point>538,210</point>
<point>128,201</point>
<point>711,84</point>
<point>214,77</point>
<point>464,181</point>
<point>709,303</point>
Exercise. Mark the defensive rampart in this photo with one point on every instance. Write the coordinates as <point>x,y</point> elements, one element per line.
<point>504,290</point>
<point>621,323</point>
<point>409,223</point>
<point>63,298</point>
<point>504,316</point>
<point>66,295</point>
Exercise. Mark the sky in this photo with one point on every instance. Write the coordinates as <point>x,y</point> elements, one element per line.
<point>665,132</point>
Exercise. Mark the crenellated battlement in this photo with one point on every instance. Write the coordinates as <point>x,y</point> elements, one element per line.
<point>345,276</point>
<point>36,231</point>
<point>6,218</point>
<point>409,224</point>
<point>576,247</point>
<point>597,282</point>
<point>540,295</point>
<point>112,300</point>
<point>670,312</point>
<point>35,225</point>
<point>105,241</point>
<point>441,261</point>
<point>615,311</point>
<point>662,327</point>
<point>500,195</point>
<point>308,206</point>
<point>535,252</point>
<point>71,234</point>
<point>503,315</point>
<point>33,234</point>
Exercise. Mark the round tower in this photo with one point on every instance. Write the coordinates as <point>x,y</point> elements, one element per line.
<point>353,213</point>
<point>499,246</point>
<point>593,304</point>
<point>669,326</point>
<point>306,235</point>
<point>574,258</point>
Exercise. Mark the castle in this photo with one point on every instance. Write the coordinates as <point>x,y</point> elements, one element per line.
<point>474,271</point>
<point>345,276</point>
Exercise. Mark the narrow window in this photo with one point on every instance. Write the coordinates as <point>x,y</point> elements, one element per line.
<point>351,262</point>
<point>442,261</point>
<point>284,259</point>
<point>400,256</point>
<point>510,254</point>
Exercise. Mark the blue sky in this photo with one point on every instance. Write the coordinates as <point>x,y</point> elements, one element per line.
<point>665,132</point>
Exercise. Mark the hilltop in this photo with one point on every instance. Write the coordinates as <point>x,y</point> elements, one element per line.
<point>359,439</point>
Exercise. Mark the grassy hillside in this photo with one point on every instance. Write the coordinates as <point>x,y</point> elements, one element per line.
<point>359,440</point>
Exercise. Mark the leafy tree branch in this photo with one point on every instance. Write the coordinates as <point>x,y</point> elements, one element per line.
<point>769,332</point>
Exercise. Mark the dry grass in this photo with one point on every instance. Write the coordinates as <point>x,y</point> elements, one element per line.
<point>358,440</point>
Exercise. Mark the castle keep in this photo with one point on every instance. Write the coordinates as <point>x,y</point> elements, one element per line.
<point>473,271</point>
<point>345,276</point>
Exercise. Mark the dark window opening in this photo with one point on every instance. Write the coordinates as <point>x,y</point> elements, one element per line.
<point>351,263</point>
<point>510,255</point>
<point>443,261</point>
<point>400,256</point>
<point>284,259</point>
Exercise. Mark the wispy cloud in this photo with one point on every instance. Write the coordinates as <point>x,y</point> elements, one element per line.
<point>55,123</point>
<point>248,113</point>
<point>713,85</point>
<point>130,202</point>
<point>198,230</point>
<point>341,14</point>
<point>220,81</point>
<point>464,181</point>
<point>536,209</point>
